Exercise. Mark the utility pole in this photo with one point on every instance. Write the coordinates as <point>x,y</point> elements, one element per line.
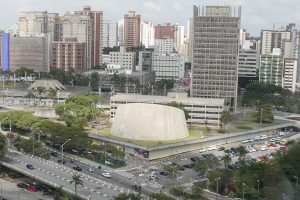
<point>243,191</point>
<point>258,186</point>
<point>62,151</point>
<point>260,119</point>
<point>217,189</point>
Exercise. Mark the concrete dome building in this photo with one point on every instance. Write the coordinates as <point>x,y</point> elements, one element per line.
<point>47,84</point>
<point>140,121</point>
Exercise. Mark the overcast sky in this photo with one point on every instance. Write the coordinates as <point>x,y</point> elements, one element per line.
<point>256,14</point>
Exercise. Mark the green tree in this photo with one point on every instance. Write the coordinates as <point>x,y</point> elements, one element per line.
<point>264,113</point>
<point>20,72</point>
<point>95,78</point>
<point>201,167</point>
<point>125,196</point>
<point>197,192</point>
<point>160,196</point>
<point>76,179</point>
<point>2,146</point>
<point>180,106</point>
<point>225,119</point>
<point>241,150</point>
<point>173,171</point>
<point>227,160</point>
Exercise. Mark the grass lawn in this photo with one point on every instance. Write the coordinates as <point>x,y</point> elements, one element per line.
<point>193,135</point>
<point>10,85</point>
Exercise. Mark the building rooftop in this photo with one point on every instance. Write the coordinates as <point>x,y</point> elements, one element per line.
<point>149,98</point>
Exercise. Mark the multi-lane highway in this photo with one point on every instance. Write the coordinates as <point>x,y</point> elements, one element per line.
<point>58,175</point>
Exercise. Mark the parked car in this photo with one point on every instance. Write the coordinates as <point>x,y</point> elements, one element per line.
<point>29,166</point>
<point>59,161</point>
<point>263,148</point>
<point>211,147</point>
<point>54,154</point>
<point>90,170</point>
<point>77,168</point>
<point>202,150</point>
<point>281,133</point>
<point>106,174</point>
<point>194,159</point>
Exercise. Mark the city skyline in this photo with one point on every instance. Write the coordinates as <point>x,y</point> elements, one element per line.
<point>255,16</point>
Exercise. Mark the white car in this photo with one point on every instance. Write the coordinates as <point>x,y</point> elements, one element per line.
<point>263,148</point>
<point>257,137</point>
<point>263,137</point>
<point>90,169</point>
<point>281,133</point>
<point>212,147</point>
<point>202,150</point>
<point>245,141</point>
<point>272,139</point>
<point>106,174</point>
<point>278,138</point>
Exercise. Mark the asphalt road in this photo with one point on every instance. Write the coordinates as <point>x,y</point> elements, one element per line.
<point>92,186</point>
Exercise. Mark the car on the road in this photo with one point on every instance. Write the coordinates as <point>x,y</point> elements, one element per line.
<point>283,148</point>
<point>47,192</point>
<point>106,174</point>
<point>194,159</point>
<point>257,137</point>
<point>202,150</point>
<point>263,148</point>
<point>272,139</point>
<point>278,138</point>
<point>188,166</point>
<point>59,161</point>
<point>99,167</point>
<point>136,187</point>
<point>23,185</point>
<point>89,169</point>
<point>29,166</point>
<point>221,148</point>
<point>263,137</point>
<point>77,168</point>
<point>54,154</point>
<point>163,173</point>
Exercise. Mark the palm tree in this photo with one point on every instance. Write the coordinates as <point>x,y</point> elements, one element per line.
<point>225,118</point>
<point>227,160</point>
<point>77,181</point>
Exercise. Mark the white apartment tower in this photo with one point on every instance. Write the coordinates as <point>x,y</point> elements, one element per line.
<point>215,53</point>
<point>110,34</point>
<point>147,33</point>
<point>37,23</point>
<point>78,26</point>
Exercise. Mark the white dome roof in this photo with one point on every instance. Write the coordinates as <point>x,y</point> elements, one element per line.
<point>47,84</point>
<point>141,121</point>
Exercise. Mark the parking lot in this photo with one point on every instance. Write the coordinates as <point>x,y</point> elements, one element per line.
<point>257,149</point>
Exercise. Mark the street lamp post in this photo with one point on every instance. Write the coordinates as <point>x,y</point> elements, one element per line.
<point>243,191</point>
<point>217,189</point>
<point>258,185</point>
<point>296,177</point>
<point>62,151</point>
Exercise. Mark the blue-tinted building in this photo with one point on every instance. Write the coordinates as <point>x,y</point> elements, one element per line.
<point>5,52</point>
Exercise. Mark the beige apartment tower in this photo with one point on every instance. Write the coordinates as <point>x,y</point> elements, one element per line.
<point>215,53</point>
<point>96,29</point>
<point>132,23</point>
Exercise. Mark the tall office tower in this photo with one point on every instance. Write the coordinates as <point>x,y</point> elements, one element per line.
<point>96,29</point>
<point>5,65</point>
<point>33,52</point>
<point>248,63</point>
<point>13,30</point>
<point>164,31</point>
<point>132,24</point>
<point>190,34</point>
<point>110,34</point>
<point>215,53</point>
<point>145,60</point>
<point>36,23</point>
<point>79,26</point>
<point>147,34</point>
<point>178,37</point>
<point>273,39</point>
<point>121,32</point>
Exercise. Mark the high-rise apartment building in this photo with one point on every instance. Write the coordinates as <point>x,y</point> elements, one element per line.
<point>132,24</point>
<point>13,30</point>
<point>36,23</point>
<point>178,37</point>
<point>78,26</point>
<point>271,39</point>
<point>164,31</point>
<point>147,33</point>
<point>96,33</point>
<point>110,34</point>
<point>121,32</point>
<point>145,60</point>
<point>290,74</point>
<point>69,55</point>
<point>215,53</point>
<point>164,46</point>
